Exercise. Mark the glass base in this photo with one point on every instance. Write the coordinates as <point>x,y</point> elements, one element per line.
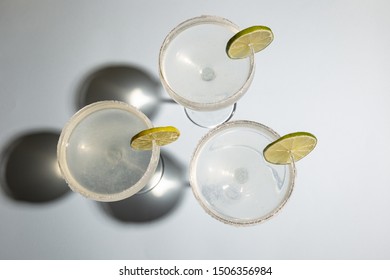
<point>210,119</point>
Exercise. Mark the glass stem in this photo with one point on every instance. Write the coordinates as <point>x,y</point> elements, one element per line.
<point>156,178</point>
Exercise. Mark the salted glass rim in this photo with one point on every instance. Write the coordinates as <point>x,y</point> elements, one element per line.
<point>66,133</point>
<point>194,185</point>
<point>200,106</point>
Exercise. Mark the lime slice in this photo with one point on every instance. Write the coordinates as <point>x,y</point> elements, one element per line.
<point>160,135</point>
<point>254,38</point>
<point>291,147</point>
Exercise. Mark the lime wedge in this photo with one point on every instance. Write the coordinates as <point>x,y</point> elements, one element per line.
<point>160,135</point>
<point>248,40</point>
<point>290,147</point>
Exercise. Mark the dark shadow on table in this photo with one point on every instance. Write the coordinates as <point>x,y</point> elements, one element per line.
<point>126,83</point>
<point>28,168</point>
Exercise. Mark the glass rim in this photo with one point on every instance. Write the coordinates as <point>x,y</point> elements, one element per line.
<point>66,133</point>
<point>194,184</point>
<point>200,106</point>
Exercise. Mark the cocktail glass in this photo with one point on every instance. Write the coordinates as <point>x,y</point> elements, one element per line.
<point>95,156</point>
<point>230,178</point>
<point>197,73</point>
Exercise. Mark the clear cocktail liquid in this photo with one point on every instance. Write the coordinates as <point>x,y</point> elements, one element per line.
<point>99,155</point>
<point>231,178</point>
<point>196,65</point>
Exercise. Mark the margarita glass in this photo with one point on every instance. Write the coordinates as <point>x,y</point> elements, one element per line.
<point>230,178</point>
<point>197,73</point>
<point>95,156</point>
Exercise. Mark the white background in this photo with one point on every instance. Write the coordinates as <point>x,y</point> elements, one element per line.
<point>326,72</point>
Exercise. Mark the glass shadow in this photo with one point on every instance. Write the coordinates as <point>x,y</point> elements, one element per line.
<point>29,169</point>
<point>125,83</point>
<point>157,201</point>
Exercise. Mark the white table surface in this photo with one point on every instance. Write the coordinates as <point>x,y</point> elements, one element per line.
<point>326,72</point>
